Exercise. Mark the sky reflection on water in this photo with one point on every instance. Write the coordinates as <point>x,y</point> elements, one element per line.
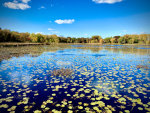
<point>100,76</point>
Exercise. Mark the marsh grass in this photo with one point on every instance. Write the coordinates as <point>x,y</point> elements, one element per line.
<point>62,72</point>
<point>142,67</point>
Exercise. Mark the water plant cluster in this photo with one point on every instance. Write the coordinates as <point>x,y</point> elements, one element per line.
<point>62,72</point>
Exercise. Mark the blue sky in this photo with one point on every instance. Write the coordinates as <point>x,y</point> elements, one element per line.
<point>76,18</point>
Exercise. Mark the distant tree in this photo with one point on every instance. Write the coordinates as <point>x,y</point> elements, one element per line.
<point>33,37</point>
<point>143,38</point>
<point>114,39</point>
<point>78,40</point>
<point>40,38</point>
<point>73,40</point>
<point>96,39</point>
<point>69,40</point>
<point>148,39</point>
<point>63,40</point>
<point>24,37</point>
<point>82,40</point>
<point>122,40</point>
<point>107,40</point>
<point>101,41</point>
<point>5,35</point>
<point>87,40</point>
<point>13,36</point>
<point>55,38</point>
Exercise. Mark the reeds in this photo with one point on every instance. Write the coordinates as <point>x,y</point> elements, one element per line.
<point>62,72</point>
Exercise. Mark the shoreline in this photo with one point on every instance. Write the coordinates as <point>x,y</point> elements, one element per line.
<point>8,44</point>
<point>16,44</point>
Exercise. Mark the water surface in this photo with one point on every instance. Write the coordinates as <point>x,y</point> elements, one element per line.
<point>105,78</point>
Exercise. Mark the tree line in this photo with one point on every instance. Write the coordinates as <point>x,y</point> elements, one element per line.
<point>13,36</point>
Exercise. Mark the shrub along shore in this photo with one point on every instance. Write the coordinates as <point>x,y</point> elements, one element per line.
<point>14,38</point>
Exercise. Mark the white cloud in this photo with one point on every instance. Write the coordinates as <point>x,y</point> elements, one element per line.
<point>107,1</point>
<point>69,21</point>
<point>53,31</point>
<point>42,7</point>
<point>15,5</point>
<point>50,29</point>
<point>25,1</point>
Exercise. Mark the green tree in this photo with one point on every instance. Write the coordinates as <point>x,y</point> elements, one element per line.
<point>69,40</point>
<point>33,37</point>
<point>114,39</point>
<point>96,39</point>
<point>40,38</point>
<point>15,37</point>
<point>122,40</point>
<point>55,38</point>
<point>5,35</point>
<point>107,40</point>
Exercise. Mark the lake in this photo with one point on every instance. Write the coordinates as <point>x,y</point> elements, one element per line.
<point>75,78</point>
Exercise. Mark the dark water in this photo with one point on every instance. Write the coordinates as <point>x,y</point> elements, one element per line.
<point>104,79</point>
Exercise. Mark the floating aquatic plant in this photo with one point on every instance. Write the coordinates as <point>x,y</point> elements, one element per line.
<point>62,72</point>
<point>142,66</point>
